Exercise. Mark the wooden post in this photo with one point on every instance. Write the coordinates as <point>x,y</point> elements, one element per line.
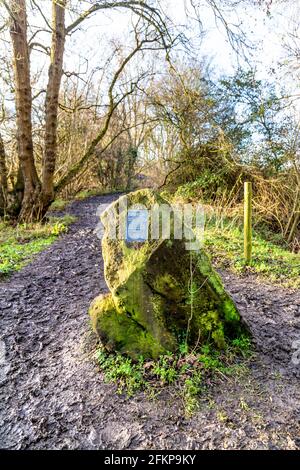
<point>247,221</point>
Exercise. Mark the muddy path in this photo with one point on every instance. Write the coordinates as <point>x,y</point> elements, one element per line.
<point>52,395</point>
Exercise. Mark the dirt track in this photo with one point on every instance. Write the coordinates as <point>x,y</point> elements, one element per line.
<point>52,395</point>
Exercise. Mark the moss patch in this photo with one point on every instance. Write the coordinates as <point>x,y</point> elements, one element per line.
<point>119,332</point>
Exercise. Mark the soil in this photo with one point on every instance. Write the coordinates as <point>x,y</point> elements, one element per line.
<point>53,396</point>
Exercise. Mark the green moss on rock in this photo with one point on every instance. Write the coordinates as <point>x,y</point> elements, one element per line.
<point>118,332</point>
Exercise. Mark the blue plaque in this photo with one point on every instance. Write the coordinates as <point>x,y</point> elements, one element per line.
<point>137,225</point>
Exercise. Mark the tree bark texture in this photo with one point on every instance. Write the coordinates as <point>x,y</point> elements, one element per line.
<point>23,98</point>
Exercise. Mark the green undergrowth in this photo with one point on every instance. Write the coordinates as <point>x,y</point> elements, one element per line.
<point>269,260</point>
<point>19,243</point>
<point>59,205</point>
<point>186,374</point>
<point>223,238</point>
<point>86,193</point>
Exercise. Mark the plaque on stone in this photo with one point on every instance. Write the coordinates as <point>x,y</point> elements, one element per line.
<point>137,225</point>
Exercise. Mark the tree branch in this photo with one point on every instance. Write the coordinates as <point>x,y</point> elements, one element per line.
<point>129,4</point>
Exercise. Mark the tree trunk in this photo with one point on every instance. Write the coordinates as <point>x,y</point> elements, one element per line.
<point>37,196</point>
<point>51,111</point>
<point>3,180</point>
<point>15,197</point>
<point>18,32</point>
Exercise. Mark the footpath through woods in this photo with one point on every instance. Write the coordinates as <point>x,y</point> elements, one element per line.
<point>52,395</point>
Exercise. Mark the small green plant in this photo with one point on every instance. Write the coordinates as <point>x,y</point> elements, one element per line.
<point>165,369</point>
<point>183,348</point>
<point>122,371</point>
<point>210,360</point>
<point>244,405</point>
<point>242,345</point>
<point>191,390</point>
<point>58,227</point>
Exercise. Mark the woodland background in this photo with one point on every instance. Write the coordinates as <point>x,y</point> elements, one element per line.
<point>116,95</point>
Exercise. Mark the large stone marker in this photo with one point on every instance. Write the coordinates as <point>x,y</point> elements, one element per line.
<point>161,294</point>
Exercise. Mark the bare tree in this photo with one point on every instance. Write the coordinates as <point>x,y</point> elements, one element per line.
<point>114,102</point>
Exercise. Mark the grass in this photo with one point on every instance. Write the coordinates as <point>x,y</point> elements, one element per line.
<point>84,194</point>
<point>269,260</point>
<point>61,204</point>
<point>186,374</point>
<point>97,192</point>
<point>18,244</point>
<point>58,205</point>
<point>224,240</point>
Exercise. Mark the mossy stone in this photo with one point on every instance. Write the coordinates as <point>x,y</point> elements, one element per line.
<point>160,292</point>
